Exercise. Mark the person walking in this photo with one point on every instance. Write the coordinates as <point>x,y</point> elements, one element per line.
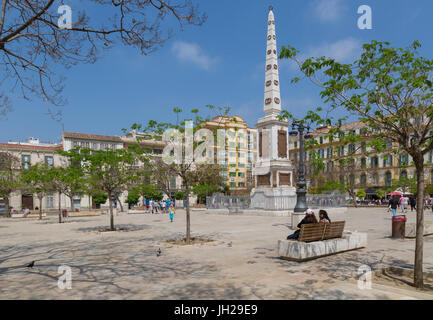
<point>163,209</point>
<point>393,203</point>
<point>151,206</point>
<point>412,203</point>
<point>171,211</point>
<point>401,202</point>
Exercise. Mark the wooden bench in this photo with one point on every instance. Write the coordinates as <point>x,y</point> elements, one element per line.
<point>321,231</point>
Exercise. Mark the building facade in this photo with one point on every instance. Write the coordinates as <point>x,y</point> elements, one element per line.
<point>370,170</point>
<point>237,155</point>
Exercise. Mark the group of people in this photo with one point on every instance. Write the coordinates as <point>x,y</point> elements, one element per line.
<point>163,206</point>
<point>310,218</point>
<point>403,203</point>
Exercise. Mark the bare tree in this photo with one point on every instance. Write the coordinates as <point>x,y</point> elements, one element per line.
<point>32,43</point>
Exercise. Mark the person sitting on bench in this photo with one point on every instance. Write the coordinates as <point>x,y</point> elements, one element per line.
<point>323,217</point>
<point>309,218</point>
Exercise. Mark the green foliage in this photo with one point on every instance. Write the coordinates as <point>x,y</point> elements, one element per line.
<point>361,193</point>
<point>429,189</point>
<point>406,185</point>
<point>99,197</point>
<point>133,197</point>
<point>380,193</point>
<point>179,195</point>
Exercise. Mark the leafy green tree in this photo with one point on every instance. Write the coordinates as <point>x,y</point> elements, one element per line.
<point>361,193</point>
<point>380,193</point>
<point>179,195</point>
<point>187,169</point>
<point>38,180</point>
<point>391,92</point>
<point>133,197</point>
<point>9,179</point>
<point>406,185</point>
<point>109,171</point>
<point>99,198</point>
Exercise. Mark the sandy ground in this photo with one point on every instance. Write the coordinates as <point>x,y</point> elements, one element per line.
<point>241,264</point>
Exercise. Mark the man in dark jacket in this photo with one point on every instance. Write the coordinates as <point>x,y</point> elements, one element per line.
<point>393,202</point>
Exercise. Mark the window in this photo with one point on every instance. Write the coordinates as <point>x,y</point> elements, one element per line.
<point>388,179</point>
<point>296,144</point>
<point>375,179</point>
<point>403,174</point>
<point>363,147</point>
<point>172,183</point>
<point>341,151</point>
<point>363,163</point>
<point>321,140</point>
<point>223,174</point>
<point>25,161</point>
<point>403,159</point>
<point>49,160</point>
<point>232,184</point>
<point>232,174</point>
<point>329,152</point>
<point>431,177</point>
<point>241,174</point>
<point>241,184</point>
<point>387,161</point>
<point>374,162</point>
<point>430,158</point>
<point>363,180</point>
<point>49,201</point>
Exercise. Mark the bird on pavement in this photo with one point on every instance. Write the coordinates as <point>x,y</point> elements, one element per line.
<point>31,264</point>
<point>158,253</point>
<point>229,244</point>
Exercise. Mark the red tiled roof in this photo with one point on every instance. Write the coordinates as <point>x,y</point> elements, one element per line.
<point>30,147</point>
<point>86,136</point>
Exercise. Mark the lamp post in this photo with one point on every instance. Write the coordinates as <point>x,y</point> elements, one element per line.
<point>298,128</point>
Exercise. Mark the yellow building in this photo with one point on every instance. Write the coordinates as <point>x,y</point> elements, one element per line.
<point>237,155</point>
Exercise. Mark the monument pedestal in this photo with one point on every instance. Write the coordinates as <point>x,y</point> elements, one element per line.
<point>273,198</point>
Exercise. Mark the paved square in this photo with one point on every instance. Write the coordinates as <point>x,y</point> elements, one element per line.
<point>241,264</point>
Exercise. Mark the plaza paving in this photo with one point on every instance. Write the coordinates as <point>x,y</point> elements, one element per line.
<point>241,264</point>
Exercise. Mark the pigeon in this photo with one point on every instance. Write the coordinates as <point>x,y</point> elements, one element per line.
<point>31,264</point>
<point>158,253</point>
<point>230,244</point>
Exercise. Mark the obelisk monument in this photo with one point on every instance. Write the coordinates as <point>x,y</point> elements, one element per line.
<point>273,171</point>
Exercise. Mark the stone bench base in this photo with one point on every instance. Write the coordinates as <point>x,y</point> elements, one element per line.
<point>303,251</point>
<point>410,229</point>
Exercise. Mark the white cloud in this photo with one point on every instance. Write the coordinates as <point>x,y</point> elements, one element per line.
<point>344,50</point>
<point>191,52</point>
<point>328,10</point>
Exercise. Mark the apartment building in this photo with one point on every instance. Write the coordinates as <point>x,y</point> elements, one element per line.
<point>238,154</point>
<point>370,171</point>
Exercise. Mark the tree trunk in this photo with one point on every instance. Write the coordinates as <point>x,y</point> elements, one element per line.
<point>419,244</point>
<point>8,211</point>
<point>40,207</point>
<point>188,219</point>
<point>72,203</point>
<point>120,203</point>
<point>110,204</point>
<point>90,202</point>
<point>60,208</point>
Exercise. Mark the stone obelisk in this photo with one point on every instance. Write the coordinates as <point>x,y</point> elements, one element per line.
<point>275,189</point>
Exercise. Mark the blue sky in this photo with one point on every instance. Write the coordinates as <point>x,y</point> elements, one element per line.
<point>220,63</point>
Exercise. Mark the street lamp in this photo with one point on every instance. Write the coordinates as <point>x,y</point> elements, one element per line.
<point>298,128</point>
